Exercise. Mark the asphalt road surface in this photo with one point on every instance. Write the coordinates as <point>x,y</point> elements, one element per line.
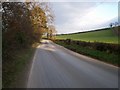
<point>57,67</point>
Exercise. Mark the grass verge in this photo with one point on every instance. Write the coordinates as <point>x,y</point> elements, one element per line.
<point>101,55</point>
<point>13,68</point>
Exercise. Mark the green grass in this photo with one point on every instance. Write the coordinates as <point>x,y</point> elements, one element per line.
<point>105,35</point>
<point>101,55</point>
<point>13,68</point>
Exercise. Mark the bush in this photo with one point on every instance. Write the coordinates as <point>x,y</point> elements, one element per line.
<point>109,48</point>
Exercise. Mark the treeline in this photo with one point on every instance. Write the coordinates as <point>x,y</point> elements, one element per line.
<point>24,23</point>
<point>84,32</point>
<point>115,30</point>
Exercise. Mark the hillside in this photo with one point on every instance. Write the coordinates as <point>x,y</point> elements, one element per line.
<point>102,35</point>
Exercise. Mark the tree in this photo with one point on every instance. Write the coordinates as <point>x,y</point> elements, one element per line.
<point>17,31</point>
<point>50,21</point>
<point>39,19</point>
<point>116,24</point>
<point>51,32</point>
<point>16,22</point>
<point>111,25</point>
<point>114,27</point>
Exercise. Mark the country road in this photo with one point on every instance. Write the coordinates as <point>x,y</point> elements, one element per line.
<point>57,67</point>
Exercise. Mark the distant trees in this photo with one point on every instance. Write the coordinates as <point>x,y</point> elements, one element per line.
<point>51,32</point>
<point>115,28</point>
<point>115,24</point>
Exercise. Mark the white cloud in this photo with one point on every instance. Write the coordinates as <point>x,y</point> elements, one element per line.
<point>76,17</point>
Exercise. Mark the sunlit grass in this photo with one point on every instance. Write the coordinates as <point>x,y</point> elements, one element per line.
<point>106,36</point>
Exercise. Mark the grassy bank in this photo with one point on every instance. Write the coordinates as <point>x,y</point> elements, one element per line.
<point>13,68</point>
<point>103,35</point>
<point>101,55</point>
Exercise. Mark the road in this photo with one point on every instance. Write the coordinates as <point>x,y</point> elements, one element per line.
<point>57,67</point>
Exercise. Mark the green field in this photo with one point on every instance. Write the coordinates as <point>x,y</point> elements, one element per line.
<point>103,35</point>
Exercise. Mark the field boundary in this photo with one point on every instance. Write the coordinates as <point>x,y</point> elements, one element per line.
<point>107,53</point>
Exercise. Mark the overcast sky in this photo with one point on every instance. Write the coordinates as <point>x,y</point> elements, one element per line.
<point>82,15</point>
<point>73,17</point>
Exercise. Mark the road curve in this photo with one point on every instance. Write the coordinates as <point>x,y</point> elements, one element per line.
<point>57,67</point>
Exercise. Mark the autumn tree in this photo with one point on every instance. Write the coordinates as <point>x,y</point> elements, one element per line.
<point>16,23</point>
<point>38,19</point>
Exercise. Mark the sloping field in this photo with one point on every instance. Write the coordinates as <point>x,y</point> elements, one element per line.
<point>102,35</point>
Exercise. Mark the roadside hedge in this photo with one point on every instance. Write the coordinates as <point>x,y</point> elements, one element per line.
<point>106,47</point>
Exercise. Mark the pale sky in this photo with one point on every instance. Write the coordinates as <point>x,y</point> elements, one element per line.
<point>73,17</point>
<point>82,15</point>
